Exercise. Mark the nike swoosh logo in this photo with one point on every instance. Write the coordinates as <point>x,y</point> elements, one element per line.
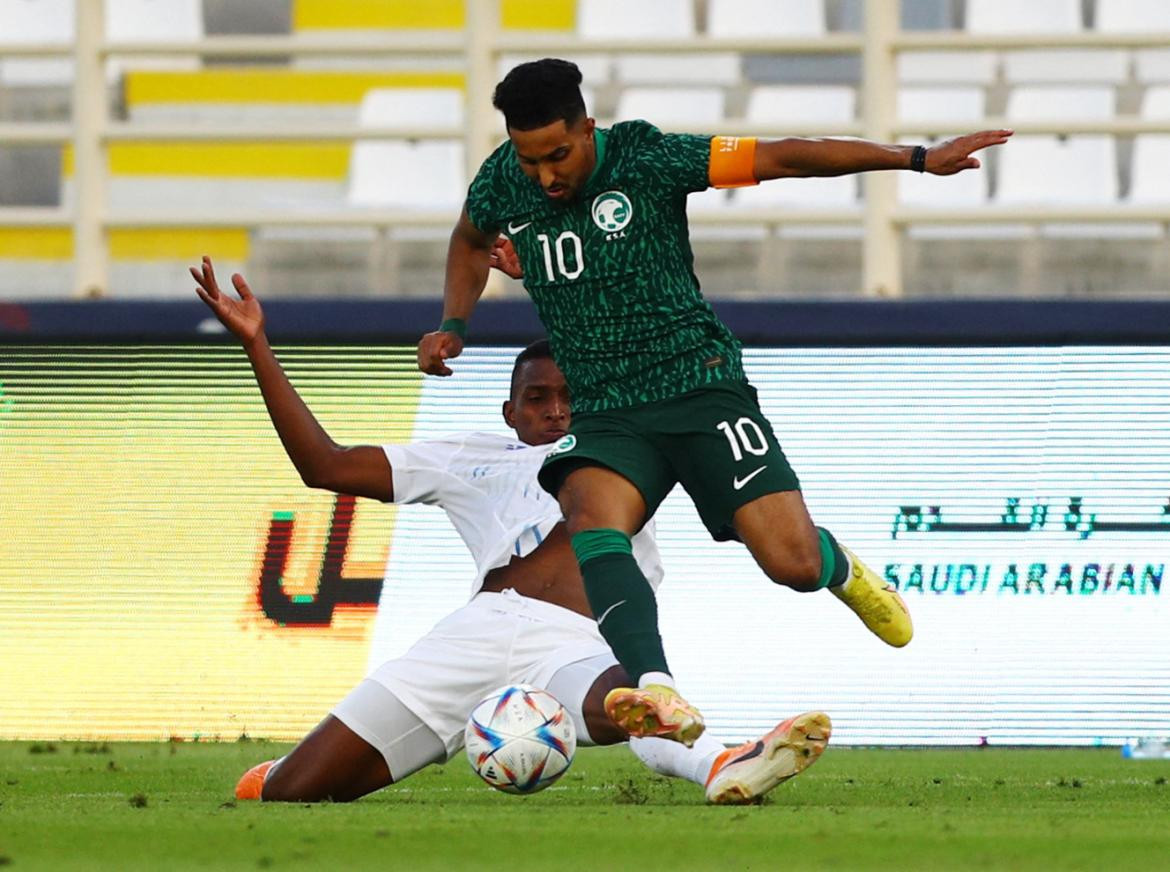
<point>756,751</point>
<point>607,611</point>
<point>512,229</point>
<point>739,483</point>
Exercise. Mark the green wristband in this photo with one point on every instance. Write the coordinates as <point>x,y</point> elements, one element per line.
<point>454,325</point>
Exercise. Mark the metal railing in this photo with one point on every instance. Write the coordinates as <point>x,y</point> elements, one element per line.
<point>476,50</point>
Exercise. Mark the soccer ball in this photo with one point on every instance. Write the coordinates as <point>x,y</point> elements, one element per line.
<point>520,739</point>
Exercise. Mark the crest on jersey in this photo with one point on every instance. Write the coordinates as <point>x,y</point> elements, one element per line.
<point>566,443</point>
<point>612,211</point>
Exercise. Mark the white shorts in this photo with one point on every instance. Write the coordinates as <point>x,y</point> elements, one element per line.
<point>494,640</point>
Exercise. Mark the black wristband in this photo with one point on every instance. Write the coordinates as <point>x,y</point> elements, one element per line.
<point>918,159</point>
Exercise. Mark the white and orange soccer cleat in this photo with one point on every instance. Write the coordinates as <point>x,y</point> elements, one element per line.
<point>875,601</point>
<point>251,784</point>
<point>744,774</point>
<point>654,710</point>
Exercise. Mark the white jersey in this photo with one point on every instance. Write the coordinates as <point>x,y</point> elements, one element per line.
<point>487,485</point>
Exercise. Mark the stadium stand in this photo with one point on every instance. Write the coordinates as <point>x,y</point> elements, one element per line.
<point>30,22</point>
<point>1149,181</point>
<point>829,105</point>
<point>944,89</point>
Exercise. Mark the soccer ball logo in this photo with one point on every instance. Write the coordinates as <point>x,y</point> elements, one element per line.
<point>612,211</point>
<point>520,739</point>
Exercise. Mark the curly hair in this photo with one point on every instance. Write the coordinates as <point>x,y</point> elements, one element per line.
<point>539,93</point>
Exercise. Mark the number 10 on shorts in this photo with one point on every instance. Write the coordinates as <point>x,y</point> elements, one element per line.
<point>745,435</point>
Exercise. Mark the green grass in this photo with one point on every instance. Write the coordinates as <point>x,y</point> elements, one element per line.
<point>144,806</point>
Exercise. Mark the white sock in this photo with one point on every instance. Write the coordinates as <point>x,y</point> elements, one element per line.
<point>656,678</point>
<point>844,586</point>
<point>667,757</point>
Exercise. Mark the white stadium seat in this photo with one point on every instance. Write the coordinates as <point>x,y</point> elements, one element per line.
<point>1076,170</point>
<point>1150,181</point>
<point>411,107</point>
<point>739,18</point>
<point>947,67</point>
<point>830,104</point>
<point>670,107</point>
<point>1139,16</point>
<point>622,19</point>
<point>1086,66</point>
<point>399,174</point>
<point>1034,16</point>
<point>710,68</point>
<point>153,21</point>
<point>961,105</point>
<point>36,21</point>
<point>965,107</point>
<point>827,104</point>
<point>1079,169</point>
<point>405,175</point>
<point>1133,16</point>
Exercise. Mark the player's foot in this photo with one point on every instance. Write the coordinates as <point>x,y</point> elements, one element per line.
<point>252,783</point>
<point>744,774</point>
<point>876,602</point>
<point>654,710</point>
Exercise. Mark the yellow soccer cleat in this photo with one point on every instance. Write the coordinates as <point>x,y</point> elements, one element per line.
<point>876,602</point>
<point>654,710</point>
<point>251,784</point>
<point>744,774</point>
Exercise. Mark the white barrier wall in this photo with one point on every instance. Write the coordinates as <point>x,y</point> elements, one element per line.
<point>1018,498</point>
<point>164,572</point>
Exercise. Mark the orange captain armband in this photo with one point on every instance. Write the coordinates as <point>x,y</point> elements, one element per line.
<point>731,161</point>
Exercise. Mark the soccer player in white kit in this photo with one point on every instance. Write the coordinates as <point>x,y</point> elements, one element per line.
<point>528,620</point>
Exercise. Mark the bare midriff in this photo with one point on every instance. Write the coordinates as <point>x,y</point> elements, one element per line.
<point>548,573</point>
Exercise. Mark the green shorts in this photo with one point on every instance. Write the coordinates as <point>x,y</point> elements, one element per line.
<point>714,441</point>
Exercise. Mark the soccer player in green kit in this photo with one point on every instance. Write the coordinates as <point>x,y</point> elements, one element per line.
<point>597,218</point>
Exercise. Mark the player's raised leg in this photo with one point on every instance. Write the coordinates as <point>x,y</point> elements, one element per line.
<point>781,536</point>
<point>602,510</point>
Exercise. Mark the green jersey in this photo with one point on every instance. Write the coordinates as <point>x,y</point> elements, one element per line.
<point>611,271</point>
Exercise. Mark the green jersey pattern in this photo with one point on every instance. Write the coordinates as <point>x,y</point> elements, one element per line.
<point>611,272</point>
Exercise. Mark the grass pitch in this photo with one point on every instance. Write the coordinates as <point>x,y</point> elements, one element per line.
<point>70,806</point>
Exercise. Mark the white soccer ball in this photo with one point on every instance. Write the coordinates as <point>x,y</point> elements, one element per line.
<point>520,739</point>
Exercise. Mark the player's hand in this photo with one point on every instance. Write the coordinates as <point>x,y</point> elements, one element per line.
<point>954,155</point>
<point>243,317</point>
<point>435,348</point>
<point>504,258</point>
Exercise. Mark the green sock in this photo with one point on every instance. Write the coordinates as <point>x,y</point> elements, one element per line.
<point>621,599</point>
<point>834,563</point>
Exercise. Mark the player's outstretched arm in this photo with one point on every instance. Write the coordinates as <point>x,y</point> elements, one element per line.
<point>468,261</point>
<point>362,470</point>
<point>802,158</point>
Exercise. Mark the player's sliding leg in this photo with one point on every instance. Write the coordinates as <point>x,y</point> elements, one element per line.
<point>582,688</point>
<point>733,776</point>
<point>332,762</point>
<point>780,535</point>
<point>370,740</point>
<point>601,509</point>
<point>747,772</point>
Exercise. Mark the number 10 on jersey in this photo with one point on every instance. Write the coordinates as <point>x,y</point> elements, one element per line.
<point>566,247</point>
